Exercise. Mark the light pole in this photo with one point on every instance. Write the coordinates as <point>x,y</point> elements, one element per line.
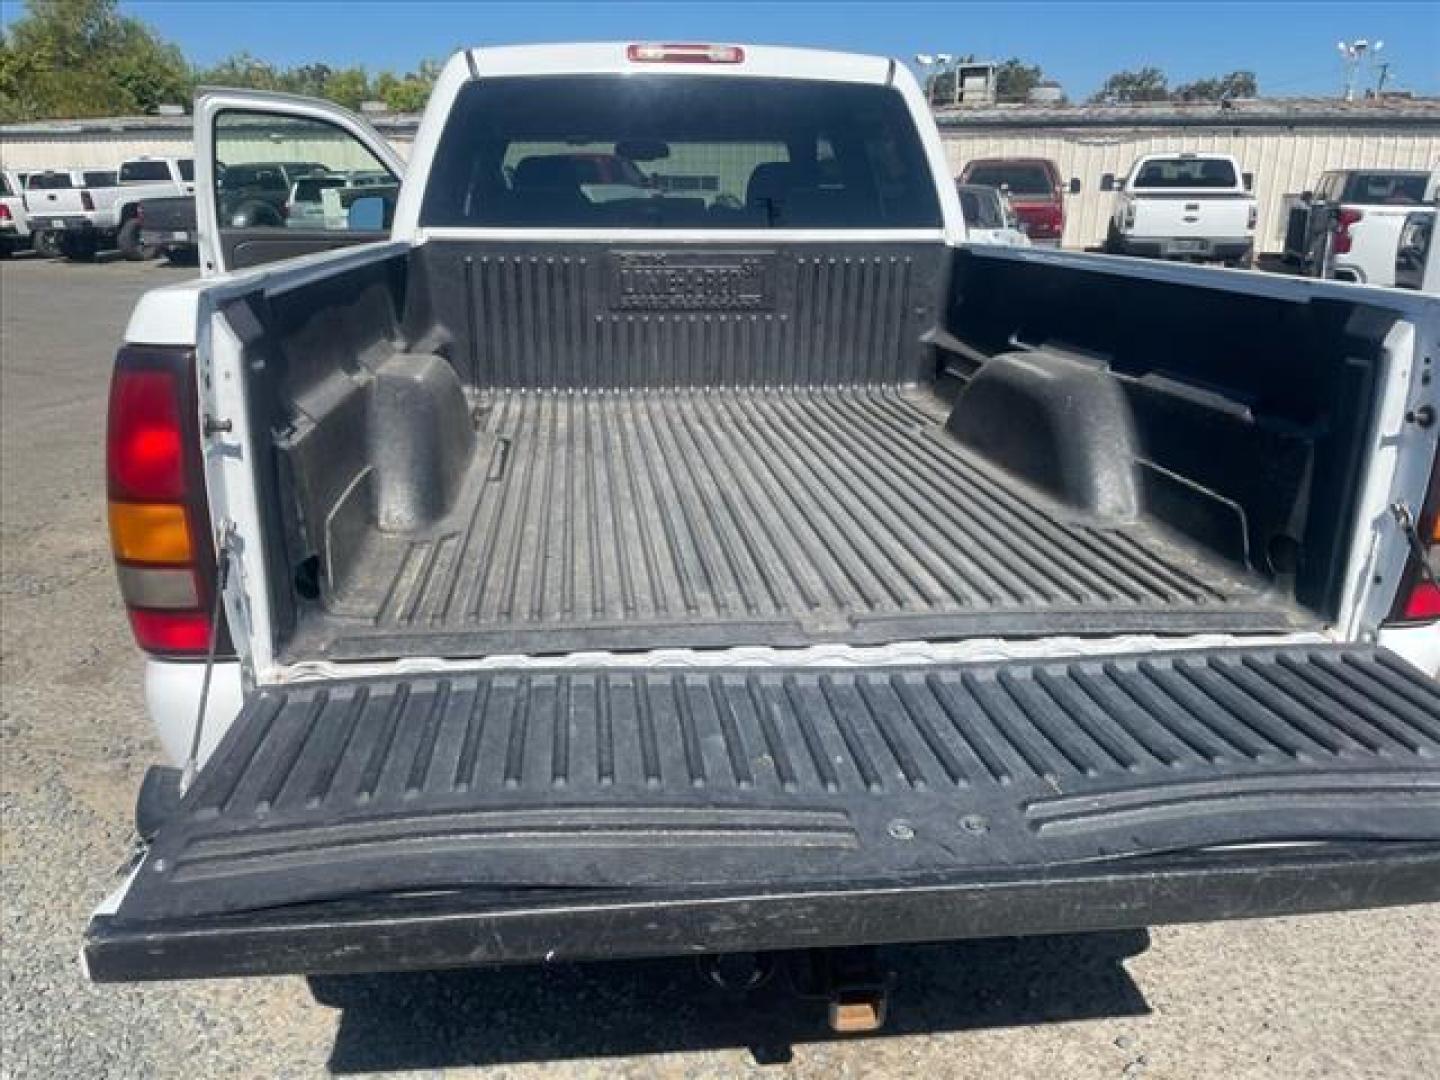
<point>1352,53</point>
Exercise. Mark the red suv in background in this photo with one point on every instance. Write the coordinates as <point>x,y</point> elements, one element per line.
<point>1035,192</point>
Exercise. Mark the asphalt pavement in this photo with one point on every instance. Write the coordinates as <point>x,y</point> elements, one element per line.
<point>1351,995</point>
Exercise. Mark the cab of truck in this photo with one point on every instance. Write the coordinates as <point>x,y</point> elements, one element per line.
<point>744,561</point>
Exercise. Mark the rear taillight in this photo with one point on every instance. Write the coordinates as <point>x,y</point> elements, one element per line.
<point>87,202</point>
<point>159,518</point>
<point>1346,218</point>
<point>1423,603</point>
<point>1418,599</point>
<point>1253,217</point>
<point>4,212</point>
<point>1043,221</point>
<point>1129,215</point>
<point>653,53</point>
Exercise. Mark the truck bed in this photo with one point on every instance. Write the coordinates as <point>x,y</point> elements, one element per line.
<point>661,518</point>
<point>482,450</point>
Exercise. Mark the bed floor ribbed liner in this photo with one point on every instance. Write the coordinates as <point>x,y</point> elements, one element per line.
<point>646,519</point>
<point>670,778</point>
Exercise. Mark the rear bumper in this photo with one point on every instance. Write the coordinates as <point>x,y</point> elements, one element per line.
<point>74,226</point>
<point>464,930</point>
<point>70,224</point>
<point>163,238</point>
<point>1186,247</point>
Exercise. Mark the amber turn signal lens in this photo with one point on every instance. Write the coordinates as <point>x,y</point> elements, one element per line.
<point>150,532</point>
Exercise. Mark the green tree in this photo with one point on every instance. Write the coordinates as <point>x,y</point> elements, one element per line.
<point>1237,84</point>
<point>1125,87</point>
<point>241,71</point>
<point>347,86</point>
<point>147,71</point>
<point>307,79</point>
<point>407,93</point>
<point>79,58</point>
<point>1014,79</point>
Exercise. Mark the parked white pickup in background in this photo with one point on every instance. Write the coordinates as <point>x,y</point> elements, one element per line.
<point>1183,206</point>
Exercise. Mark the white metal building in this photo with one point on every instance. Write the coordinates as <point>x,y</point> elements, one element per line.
<point>105,143</point>
<point>1285,143</point>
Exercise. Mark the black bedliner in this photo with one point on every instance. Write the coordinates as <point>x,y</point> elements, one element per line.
<point>668,779</point>
<point>688,518</point>
<point>486,447</point>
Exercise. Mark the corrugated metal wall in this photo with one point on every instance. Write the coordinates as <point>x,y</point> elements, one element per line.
<point>89,150</point>
<point>1282,160</point>
<point>103,151</point>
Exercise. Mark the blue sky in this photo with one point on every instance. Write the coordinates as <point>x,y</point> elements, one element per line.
<point>1290,45</point>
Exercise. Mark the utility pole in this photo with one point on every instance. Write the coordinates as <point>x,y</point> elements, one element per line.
<point>1352,54</point>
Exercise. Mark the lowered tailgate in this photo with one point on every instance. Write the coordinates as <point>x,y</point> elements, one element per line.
<point>427,820</point>
<point>173,214</point>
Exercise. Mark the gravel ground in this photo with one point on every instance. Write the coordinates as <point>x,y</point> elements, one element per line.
<point>1348,995</point>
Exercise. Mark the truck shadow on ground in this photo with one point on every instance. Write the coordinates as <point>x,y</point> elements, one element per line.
<point>511,1015</point>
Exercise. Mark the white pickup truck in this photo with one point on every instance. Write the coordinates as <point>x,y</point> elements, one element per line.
<point>747,563</point>
<point>1183,206</point>
<point>14,219</point>
<point>1356,217</point>
<point>52,195</point>
<point>100,209</point>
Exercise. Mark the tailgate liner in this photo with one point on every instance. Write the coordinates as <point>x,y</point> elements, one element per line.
<point>680,778</point>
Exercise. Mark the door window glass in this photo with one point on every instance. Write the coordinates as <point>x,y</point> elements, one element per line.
<point>144,172</point>
<point>281,172</point>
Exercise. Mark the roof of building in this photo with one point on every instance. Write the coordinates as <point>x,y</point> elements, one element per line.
<point>1244,112</point>
<point>162,125</point>
<point>1240,112</point>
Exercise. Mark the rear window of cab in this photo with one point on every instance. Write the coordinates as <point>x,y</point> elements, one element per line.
<point>671,151</point>
<point>1020,178</point>
<point>1187,173</point>
<point>1386,188</point>
<point>49,181</point>
<point>140,172</point>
